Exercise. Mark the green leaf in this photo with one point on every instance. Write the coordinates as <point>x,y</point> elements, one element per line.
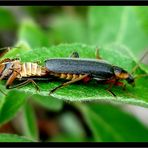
<point>48,102</point>
<point>20,48</point>
<point>13,101</point>
<point>32,34</point>
<point>29,122</point>
<point>7,19</point>
<point>115,24</point>
<point>71,125</point>
<point>92,91</point>
<point>13,138</point>
<point>111,124</point>
<point>2,98</point>
<point>142,14</point>
<point>67,29</point>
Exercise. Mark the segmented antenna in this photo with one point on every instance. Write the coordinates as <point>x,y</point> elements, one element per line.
<point>8,48</point>
<point>137,65</point>
<point>4,50</point>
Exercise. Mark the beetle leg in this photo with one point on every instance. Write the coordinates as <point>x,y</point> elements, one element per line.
<point>6,84</point>
<point>5,48</point>
<point>13,77</point>
<point>5,60</point>
<point>16,70</point>
<point>124,87</point>
<point>8,60</point>
<point>97,54</point>
<point>67,83</point>
<point>111,92</point>
<point>111,85</point>
<point>23,84</point>
<point>74,55</point>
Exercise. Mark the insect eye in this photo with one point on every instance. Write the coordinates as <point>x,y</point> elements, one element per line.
<point>130,79</point>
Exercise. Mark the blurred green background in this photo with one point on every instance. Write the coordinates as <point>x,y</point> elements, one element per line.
<point>42,119</point>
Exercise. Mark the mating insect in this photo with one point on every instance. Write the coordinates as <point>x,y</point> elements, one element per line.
<point>12,69</point>
<point>75,69</point>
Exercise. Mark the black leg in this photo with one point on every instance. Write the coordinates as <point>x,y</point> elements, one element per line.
<point>111,92</point>
<point>110,86</point>
<point>23,84</point>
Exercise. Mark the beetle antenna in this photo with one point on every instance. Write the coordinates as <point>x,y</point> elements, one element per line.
<point>141,75</point>
<point>8,48</point>
<point>137,65</point>
<point>4,50</point>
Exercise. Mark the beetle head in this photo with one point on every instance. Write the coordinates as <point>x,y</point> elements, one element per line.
<point>131,80</point>
<point>6,68</point>
<point>124,75</point>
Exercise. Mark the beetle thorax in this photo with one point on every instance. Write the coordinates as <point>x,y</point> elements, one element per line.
<point>120,73</point>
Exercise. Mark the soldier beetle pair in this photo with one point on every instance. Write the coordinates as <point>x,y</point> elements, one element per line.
<point>73,69</point>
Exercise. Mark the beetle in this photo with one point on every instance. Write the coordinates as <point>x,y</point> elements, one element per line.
<point>75,69</point>
<point>14,69</point>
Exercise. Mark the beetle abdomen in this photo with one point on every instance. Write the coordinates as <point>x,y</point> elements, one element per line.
<point>67,76</point>
<point>95,68</point>
<point>31,69</point>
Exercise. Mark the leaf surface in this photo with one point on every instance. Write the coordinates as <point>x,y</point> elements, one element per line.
<point>92,91</point>
<point>13,138</point>
<point>29,122</point>
<point>111,124</point>
<point>123,25</point>
<point>11,105</point>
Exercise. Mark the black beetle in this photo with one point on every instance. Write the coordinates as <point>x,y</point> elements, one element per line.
<point>76,69</point>
<point>73,69</point>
